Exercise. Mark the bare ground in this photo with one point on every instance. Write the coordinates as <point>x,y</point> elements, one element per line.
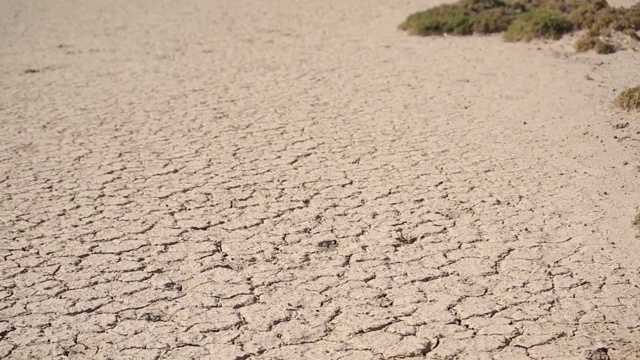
<point>297,179</point>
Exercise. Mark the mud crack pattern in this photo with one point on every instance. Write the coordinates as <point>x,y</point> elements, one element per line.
<point>253,180</point>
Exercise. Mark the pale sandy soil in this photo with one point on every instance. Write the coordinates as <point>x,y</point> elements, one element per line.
<point>283,179</point>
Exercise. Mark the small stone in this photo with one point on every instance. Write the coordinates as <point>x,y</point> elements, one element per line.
<point>598,354</point>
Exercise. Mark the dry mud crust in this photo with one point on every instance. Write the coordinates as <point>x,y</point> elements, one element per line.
<point>286,180</point>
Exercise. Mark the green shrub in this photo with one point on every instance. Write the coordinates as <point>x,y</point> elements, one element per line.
<point>466,18</point>
<point>443,19</point>
<point>538,24</point>
<point>524,20</point>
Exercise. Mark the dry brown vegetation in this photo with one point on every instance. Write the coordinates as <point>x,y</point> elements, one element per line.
<point>629,100</point>
<point>636,221</point>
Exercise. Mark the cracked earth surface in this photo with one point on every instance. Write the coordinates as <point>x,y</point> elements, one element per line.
<point>297,179</point>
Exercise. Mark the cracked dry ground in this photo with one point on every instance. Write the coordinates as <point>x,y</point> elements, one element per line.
<point>296,179</point>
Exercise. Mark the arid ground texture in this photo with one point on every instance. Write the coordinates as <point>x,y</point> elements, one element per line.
<point>289,179</point>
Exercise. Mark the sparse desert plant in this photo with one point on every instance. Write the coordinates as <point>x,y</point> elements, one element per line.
<point>629,100</point>
<point>636,221</point>
<point>524,20</point>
